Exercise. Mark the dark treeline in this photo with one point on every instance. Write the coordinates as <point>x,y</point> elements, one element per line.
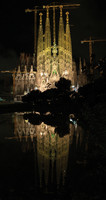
<point>52,100</point>
<point>61,99</point>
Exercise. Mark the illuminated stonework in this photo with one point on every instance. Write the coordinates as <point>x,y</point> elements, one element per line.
<point>23,82</point>
<point>53,60</point>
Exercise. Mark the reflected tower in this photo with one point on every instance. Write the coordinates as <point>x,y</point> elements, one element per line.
<point>51,151</point>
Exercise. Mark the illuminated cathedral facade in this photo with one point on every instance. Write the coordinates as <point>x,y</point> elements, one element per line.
<point>53,60</point>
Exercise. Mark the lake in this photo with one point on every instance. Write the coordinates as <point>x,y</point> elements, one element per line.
<point>52,159</point>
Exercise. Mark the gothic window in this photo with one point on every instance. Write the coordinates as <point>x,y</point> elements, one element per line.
<point>54,72</point>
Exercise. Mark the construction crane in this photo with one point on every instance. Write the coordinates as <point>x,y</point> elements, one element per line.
<point>91,41</point>
<point>36,9</point>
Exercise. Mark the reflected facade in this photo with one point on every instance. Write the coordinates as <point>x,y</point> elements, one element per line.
<point>51,150</point>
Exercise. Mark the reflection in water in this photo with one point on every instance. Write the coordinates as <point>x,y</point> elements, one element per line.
<point>51,149</point>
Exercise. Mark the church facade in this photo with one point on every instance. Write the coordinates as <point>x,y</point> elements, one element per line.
<point>54,60</point>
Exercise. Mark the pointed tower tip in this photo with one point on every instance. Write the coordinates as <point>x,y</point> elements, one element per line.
<point>67,17</point>
<point>40,14</point>
<point>47,14</point>
<point>61,10</point>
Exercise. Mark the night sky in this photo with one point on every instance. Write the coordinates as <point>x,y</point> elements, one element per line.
<point>16,28</point>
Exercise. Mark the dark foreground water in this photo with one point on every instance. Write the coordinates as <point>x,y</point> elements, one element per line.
<point>40,161</point>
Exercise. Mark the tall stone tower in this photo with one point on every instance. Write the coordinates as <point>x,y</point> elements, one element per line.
<point>54,58</point>
<point>40,61</point>
<point>47,45</point>
<point>68,47</point>
<point>54,61</point>
<point>61,44</point>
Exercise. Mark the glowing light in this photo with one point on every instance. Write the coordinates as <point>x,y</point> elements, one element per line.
<point>66,72</point>
<point>74,122</point>
<point>25,93</point>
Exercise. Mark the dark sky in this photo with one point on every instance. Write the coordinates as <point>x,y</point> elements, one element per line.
<point>16,28</point>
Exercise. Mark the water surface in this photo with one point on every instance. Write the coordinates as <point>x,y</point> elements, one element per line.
<point>40,160</point>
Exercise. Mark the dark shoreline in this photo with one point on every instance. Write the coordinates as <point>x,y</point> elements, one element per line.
<point>15,107</point>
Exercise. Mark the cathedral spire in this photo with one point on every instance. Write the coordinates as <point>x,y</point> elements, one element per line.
<point>67,17</point>
<point>68,44</point>
<point>61,42</point>
<point>61,30</point>
<point>40,45</point>
<point>47,46</point>
<point>54,34</point>
<point>40,36</point>
<point>61,10</point>
<point>47,14</point>
<point>47,30</point>
<point>68,34</point>
<point>40,14</point>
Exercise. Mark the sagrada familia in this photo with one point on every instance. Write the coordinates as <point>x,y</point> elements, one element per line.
<point>54,60</point>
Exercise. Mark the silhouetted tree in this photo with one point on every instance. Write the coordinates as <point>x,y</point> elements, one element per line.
<point>34,95</point>
<point>63,84</point>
